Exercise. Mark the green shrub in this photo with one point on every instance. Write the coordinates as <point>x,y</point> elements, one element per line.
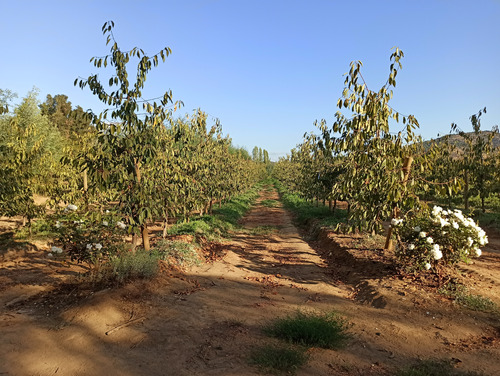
<point>309,329</point>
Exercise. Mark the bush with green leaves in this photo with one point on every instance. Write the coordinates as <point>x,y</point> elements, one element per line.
<point>438,236</point>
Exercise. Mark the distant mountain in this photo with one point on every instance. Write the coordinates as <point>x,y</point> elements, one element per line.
<point>459,142</point>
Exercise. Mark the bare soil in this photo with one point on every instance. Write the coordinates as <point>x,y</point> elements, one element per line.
<point>208,319</point>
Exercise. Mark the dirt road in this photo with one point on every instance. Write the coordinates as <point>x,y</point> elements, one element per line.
<point>208,320</point>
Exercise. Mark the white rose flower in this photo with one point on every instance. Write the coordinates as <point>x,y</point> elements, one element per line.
<point>71,207</point>
<point>436,210</point>
<point>477,252</point>
<point>54,249</point>
<point>411,247</point>
<point>89,246</point>
<point>455,225</point>
<point>58,224</point>
<point>105,223</point>
<point>443,222</point>
<point>98,246</point>
<point>394,222</point>
<point>429,240</point>
<point>427,266</point>
<point>121,225</point>
<point>470,241</point>
<point>436,252</point>
<point>422,234</point>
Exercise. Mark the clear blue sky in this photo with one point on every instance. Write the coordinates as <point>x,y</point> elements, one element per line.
<point>268,68</point>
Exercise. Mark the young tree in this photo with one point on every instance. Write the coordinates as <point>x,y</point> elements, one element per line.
<point>129,140</point>
<point>376,161</point>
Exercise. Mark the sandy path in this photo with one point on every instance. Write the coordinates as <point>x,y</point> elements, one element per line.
<point>207,321</point>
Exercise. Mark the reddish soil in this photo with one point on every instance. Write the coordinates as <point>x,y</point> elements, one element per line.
<point>206,320</point>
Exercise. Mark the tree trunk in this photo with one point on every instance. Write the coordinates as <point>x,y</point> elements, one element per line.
<point>135,242</point>
<point>406,173</point>
<point>330,205</point>
<point>165,226</point>
<point>85,189</point>
<point>466,190</point>
<point>145,237</point>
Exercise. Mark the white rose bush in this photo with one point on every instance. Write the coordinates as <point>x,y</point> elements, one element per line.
<point>90,237</point>
<point>437,237</point>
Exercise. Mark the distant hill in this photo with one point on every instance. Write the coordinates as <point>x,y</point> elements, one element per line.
<point>458,141</point>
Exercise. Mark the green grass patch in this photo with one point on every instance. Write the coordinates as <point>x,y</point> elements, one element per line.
<point>327,330</point>
<point>278,360</point>
<point>269,203</point>
<point>488,219</point>
<point>39,229</point>
<point>306,211</point>
<point>464,298</point>
<point>222,222</point>
<point>236,208</point>
<point>263,230</point>
<point>434,368</point>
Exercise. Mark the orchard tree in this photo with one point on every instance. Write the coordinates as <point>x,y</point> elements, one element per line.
<point>377,162</point>
<point>129,140</point>
<point>442,174</point>
<point>30,150</point>
<point>478,162</point>
<point>72,123</point>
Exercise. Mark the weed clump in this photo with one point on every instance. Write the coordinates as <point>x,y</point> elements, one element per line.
<point>464,298</point>
<point>326,330</point>
<point>284,360</point>
<point>131,265</point>
<point>177,253</point>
